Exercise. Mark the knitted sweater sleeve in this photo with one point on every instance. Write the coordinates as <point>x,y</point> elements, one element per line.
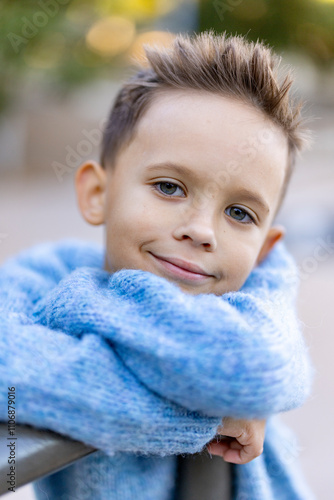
<point>240,355</point>
<point>79,386</point>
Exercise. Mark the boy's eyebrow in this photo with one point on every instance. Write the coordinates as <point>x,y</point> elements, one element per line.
<point>244,193</point>
<point>180,169</point>
<point>256,198</point>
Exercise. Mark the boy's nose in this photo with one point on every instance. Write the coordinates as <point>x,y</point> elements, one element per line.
<point>199,230</point>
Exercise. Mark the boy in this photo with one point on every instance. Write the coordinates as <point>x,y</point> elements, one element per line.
<point>196,158</point>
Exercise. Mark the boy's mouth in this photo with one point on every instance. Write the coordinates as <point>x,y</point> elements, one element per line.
<point>181,269</point>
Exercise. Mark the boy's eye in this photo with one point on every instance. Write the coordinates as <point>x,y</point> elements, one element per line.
<point>240,215</point>
<point>168,188</point>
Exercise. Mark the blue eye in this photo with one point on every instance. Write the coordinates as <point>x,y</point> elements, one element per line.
<point>168,188</point>
<point>239,214</point>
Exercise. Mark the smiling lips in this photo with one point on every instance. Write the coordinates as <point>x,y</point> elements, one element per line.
<point>182,269</point>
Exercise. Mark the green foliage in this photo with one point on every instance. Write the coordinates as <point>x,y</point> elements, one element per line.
<point>302,25</point>
<point>47,38</point>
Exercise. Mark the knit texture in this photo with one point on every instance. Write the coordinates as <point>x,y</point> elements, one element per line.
<point>132,365</point>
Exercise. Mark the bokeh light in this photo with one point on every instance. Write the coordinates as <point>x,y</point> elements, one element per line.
<point>136,52</point>
<point>111,36</point>
<point>138,10</point>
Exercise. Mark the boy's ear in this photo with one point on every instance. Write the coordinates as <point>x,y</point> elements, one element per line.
<point>90,186</point>
<point>274,234</point>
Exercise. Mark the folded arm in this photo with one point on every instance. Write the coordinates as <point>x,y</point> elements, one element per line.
<point>131,377</point>
<point>240,355</point>
<point>80,387</point>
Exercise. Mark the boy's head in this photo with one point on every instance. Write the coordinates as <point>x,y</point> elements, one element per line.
<point>196,157</point>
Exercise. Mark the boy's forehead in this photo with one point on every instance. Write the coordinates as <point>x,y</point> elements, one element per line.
<point>203,115</point>
<point>220,129</point>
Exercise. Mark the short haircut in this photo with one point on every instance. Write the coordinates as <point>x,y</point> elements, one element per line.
<point>229,66</point>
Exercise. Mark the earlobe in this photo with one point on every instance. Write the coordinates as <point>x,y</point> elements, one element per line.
<point>90,185</point>
<point>275,234</point>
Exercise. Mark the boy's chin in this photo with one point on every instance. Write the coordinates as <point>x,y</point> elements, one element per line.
<point>194,290</point>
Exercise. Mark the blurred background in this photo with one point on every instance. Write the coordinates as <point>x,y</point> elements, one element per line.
<point>62,62</point>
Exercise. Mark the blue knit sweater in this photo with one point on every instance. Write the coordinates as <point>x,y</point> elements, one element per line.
<point>132,365</point>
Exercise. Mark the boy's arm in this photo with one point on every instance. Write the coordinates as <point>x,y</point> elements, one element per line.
<point>241,355</point>
<point>80,387</point>
<point>28,287</point>
<point>141,422</point>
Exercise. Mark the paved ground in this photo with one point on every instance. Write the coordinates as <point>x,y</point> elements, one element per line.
<point>38,207</point>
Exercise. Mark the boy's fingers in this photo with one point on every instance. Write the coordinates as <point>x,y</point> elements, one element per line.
<point>248,453</point>
<point>233,452</point>
<point>243,442</point>
<point>234,445</point>
<point>218,449</point>
<point>233,457</point>
<point>245,431</point>
<point>224,450</point>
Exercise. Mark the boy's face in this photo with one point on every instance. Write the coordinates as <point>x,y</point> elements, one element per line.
<point>192,197</point>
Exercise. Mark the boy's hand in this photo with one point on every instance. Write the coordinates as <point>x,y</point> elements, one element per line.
<point>240,440</point>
